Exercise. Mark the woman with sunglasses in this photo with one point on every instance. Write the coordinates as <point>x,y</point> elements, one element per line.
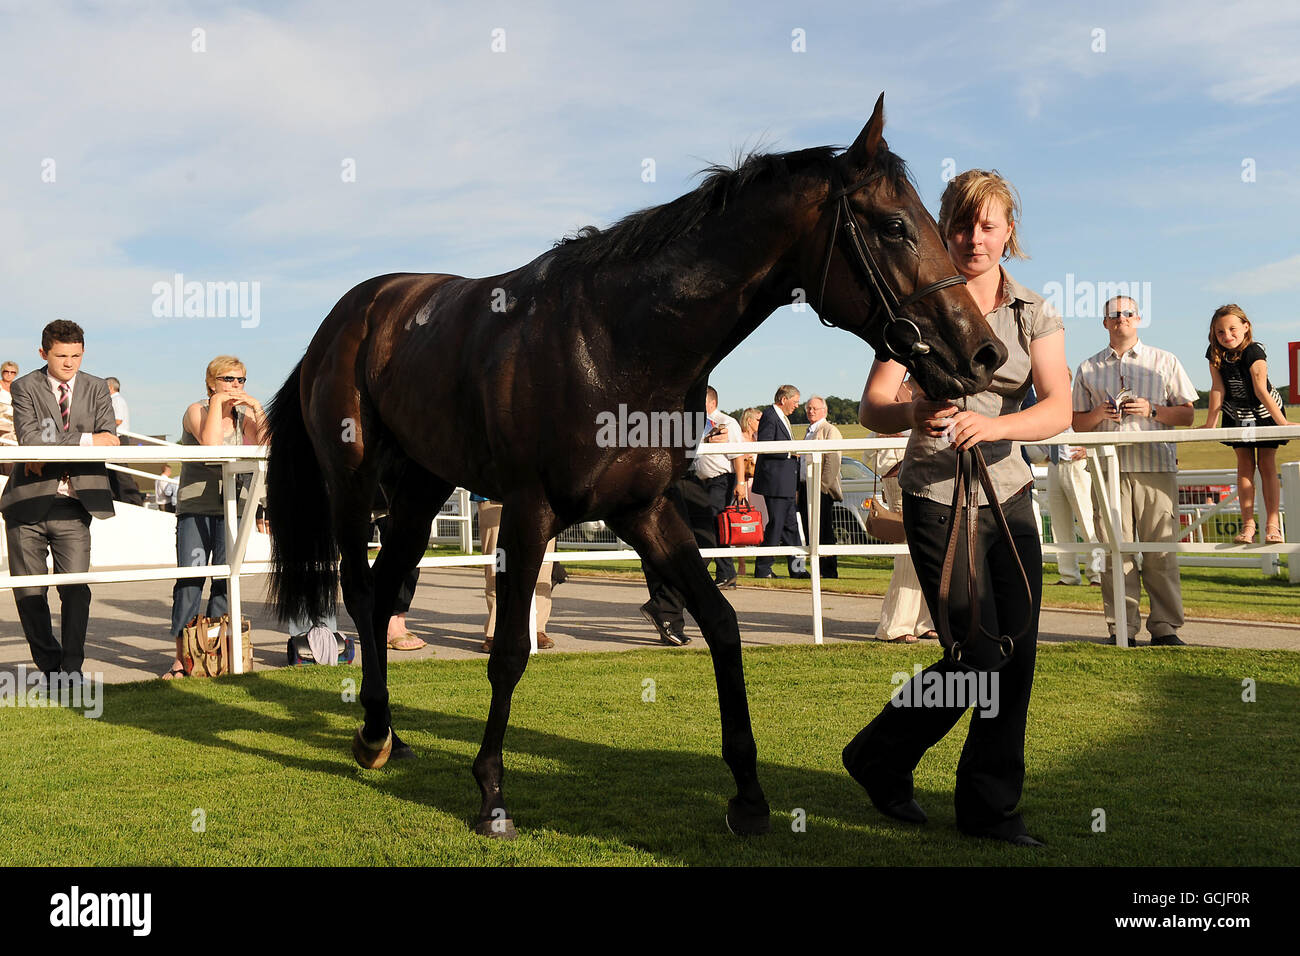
<point>979,220</point>
<point>228,416</point>
<point>8,372</point>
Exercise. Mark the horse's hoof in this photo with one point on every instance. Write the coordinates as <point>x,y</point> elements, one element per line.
<point>498,828</point>
<point>372,757</point>
<point>744,822</point>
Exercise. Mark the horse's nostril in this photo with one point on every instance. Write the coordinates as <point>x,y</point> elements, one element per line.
<point>990,356</point>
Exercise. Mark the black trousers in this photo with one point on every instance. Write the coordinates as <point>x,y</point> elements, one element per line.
<point>692,500</point>
<point>830,565</point>
<point>705,521</point>
<point>991,771</point>
<point>782,529</point>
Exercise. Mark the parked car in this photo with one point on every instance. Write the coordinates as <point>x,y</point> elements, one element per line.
<point>858,482</point>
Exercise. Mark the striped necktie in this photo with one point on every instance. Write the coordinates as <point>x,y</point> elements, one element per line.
<point>64,404</point>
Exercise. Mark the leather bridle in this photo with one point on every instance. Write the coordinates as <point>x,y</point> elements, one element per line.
<point>902,337</point>
<point>972,473</point>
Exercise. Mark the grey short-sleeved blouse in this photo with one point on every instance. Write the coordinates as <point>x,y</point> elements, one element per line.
<point>930,463</point>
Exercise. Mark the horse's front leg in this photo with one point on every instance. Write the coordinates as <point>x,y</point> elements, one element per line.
<point>662,538</point>
<point>525,529</point>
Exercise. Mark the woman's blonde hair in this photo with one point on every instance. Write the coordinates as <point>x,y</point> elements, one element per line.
<point>1218,354</point>
<point>747,415</point>
<point>223,365</point>
<point>964,200</point>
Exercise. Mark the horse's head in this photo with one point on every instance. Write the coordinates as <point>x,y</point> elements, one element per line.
<point>884,274</point>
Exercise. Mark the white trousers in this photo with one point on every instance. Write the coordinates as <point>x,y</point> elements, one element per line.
<point>1069,500</point>
<point>904,611</point>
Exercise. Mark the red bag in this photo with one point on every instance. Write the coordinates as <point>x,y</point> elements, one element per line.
<point>738,526</point>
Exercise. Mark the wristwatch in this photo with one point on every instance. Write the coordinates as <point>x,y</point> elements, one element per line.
<point>1153,413</point>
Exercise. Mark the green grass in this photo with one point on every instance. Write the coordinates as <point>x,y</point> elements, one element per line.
<point>1226,593</point>
<point>1186,772</point>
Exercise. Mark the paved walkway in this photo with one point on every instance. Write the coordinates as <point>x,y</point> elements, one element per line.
<point>128,638</point>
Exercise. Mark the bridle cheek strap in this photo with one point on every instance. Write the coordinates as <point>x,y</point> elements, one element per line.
<point>902,338</point>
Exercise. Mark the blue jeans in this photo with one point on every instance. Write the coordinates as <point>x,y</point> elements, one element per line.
<point>200,540</point>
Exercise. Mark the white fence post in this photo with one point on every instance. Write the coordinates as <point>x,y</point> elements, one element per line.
<point>237,534</point>
<point>1291,496</point>
<point>466,526</point>
<point>814,498</point>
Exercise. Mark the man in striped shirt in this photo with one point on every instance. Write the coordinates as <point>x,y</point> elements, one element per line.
<point>1132,387</point>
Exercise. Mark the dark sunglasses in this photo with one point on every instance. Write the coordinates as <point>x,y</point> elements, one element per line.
<point>1125,314</point>
<point>232,378</point>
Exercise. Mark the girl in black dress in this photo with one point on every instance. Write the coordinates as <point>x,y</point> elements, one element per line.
<point>1241,388</point>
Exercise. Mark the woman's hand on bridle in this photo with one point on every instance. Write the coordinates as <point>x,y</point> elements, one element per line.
<point>971,428</point>
<point>932,417</point>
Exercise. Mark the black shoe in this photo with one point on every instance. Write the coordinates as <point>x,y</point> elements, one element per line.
<point>726,584</point>
<point>1111,641</point>
<point>907,811</point>
<point>800,574</point>
<point>674,636</point>
<point>770,574</point>
<point>1168,640</point>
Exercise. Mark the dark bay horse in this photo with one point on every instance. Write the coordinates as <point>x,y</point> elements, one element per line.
<point>426,382</point>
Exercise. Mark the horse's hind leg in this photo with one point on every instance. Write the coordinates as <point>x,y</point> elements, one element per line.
<point>413,501</point>
<point>351,494</point>
<point>525,529</point>
<point>663,540</point>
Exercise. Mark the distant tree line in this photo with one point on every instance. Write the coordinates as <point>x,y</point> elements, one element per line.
<point>1203,396</point>
<point>840,411</point>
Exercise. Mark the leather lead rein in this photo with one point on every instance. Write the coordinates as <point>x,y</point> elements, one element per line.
<point>965,508</point>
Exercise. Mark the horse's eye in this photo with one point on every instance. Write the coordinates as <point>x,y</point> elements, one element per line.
<point>893,229</point>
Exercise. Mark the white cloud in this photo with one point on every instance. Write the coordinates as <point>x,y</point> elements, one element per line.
<point>1280,276</point>
<point>226,164</point>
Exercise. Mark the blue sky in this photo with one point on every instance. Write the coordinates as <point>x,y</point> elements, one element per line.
<point>1164,150</point>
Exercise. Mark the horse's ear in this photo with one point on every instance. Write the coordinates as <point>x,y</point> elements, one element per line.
<point>864,148</point>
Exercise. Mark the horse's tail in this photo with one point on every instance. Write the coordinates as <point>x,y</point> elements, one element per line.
<point>304,554</point>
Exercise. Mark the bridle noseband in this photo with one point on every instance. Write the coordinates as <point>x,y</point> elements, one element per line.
<point>902,338</point>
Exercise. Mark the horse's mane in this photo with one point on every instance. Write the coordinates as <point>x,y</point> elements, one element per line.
<point>649,230</point>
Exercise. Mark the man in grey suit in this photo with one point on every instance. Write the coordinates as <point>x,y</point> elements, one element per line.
<point>47,507</point>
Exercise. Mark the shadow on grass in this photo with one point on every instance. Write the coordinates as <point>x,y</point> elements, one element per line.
<point>1184,770</point>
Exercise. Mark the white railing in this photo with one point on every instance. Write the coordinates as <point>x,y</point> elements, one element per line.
<point>1103,463</point>
<point>234,460</point>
